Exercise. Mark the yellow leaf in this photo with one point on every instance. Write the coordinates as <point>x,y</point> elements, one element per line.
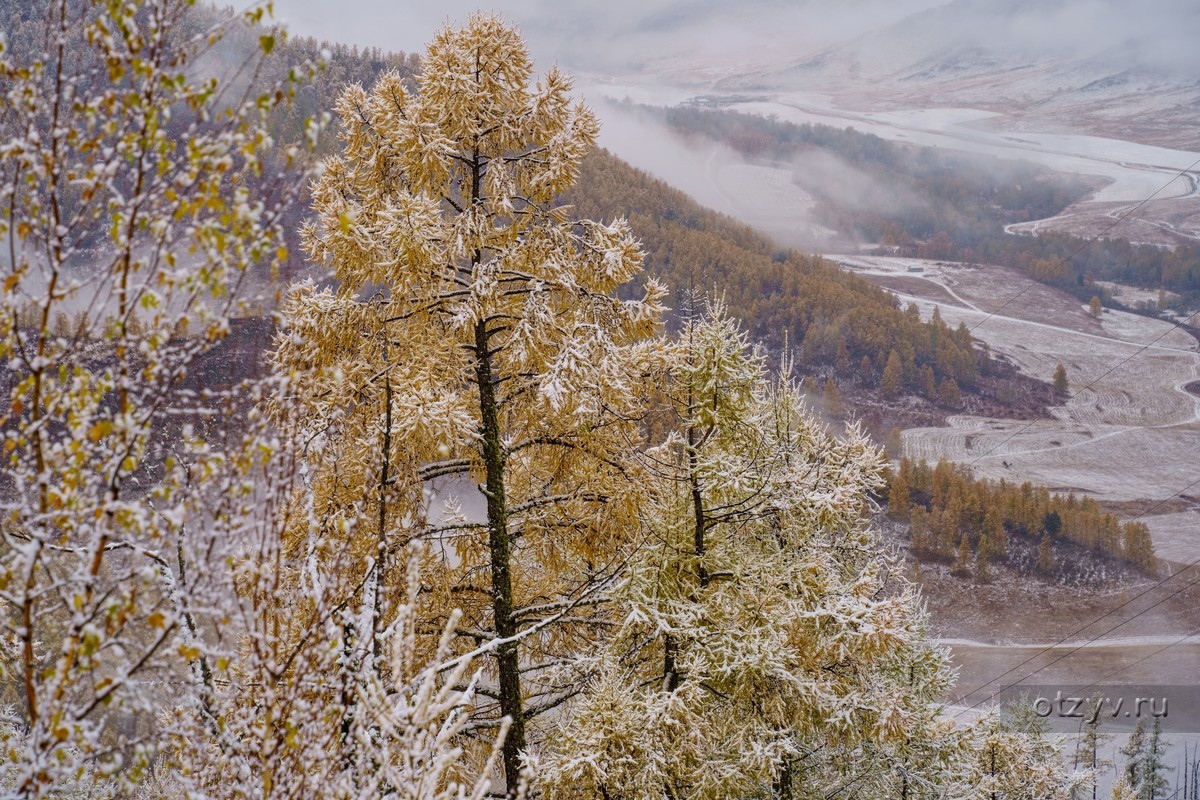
<point>100,430</point>
<point>156,619</point>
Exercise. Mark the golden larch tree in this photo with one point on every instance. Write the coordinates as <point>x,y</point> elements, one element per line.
<point>473,337</point>
<point>757,652</point>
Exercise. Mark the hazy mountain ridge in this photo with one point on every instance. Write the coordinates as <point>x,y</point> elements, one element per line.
<point>1103,66</point>
<point>1112,67</point>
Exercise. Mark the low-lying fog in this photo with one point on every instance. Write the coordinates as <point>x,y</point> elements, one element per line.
<point>664,52</point>
<point>617,36</point>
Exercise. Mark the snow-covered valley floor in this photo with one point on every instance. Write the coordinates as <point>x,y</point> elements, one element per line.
<point>1152,192</point>
<point>1129,431</point>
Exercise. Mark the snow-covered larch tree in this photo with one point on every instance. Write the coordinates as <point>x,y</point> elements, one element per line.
<point>760,651</point>
<point>154,642</point>
<point>275,719</point>
<point>472,346</point>
<point>137,200</point>
<point>1014,756</point>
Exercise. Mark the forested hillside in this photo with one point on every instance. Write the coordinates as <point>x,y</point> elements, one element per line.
<point>838,323</point>
<point>970,522</point>
<point>946,206</point>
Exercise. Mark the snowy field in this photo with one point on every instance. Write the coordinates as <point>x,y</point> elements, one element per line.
<point>1129,432</point>
<point>1136,170</point>
<point>1132,295</point>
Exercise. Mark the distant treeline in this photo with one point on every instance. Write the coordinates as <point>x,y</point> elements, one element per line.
<point>934,204</point>
<point>968,521</point>
<point>841,324</point>
<point>1048,258</point>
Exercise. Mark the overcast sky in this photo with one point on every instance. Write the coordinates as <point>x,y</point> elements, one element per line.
<point>612,35</point>
<point>661,52</point>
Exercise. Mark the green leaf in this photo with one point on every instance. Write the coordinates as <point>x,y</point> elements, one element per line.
<point>268,44</point>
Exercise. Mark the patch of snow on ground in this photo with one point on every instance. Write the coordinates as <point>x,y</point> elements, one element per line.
<point>1138,328</point>
<point>1132,295</point>
<point>1129,431</point>
<point>1176,536</point>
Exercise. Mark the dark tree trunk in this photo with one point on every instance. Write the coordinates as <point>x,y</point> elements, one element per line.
<point>500,551</point>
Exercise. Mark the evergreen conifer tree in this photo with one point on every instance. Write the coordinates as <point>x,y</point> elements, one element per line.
<point>1087,753</point>
<point>1059,381</point>
<point>1134,751</point>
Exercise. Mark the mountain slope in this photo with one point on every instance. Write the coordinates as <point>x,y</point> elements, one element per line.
<point>1107,66</point>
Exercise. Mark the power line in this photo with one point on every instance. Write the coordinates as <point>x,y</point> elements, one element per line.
<point>1061,262</point>
<point>1030,424</point>
<point>1144,658</point>
<point>1090,385</point>
<point>1077,647</point>
<point>1128,212</point>
<point>1087,625</point>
